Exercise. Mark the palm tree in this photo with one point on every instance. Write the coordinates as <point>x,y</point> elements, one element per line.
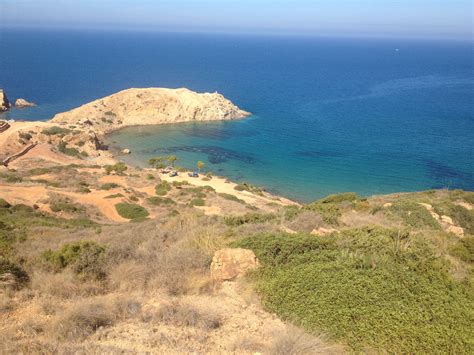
<point>200,165</point>
<point>172,159</point>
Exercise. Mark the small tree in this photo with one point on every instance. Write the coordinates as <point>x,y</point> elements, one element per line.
<point>172,159</point>
<point>156,162</point>
<point>200,165</point>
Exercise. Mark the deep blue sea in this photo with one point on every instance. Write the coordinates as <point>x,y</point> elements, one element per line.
<point>329,115</point>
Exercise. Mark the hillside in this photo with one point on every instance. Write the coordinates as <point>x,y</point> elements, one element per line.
<point>116,259</point>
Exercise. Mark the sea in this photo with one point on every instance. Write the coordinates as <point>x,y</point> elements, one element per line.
<point>329,115</point>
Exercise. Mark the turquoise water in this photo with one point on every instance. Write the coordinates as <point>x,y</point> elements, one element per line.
<point>329,115</point>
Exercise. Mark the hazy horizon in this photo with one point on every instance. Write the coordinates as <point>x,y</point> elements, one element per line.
<point>340,18</point>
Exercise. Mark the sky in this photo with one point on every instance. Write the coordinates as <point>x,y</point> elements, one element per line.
<point>379,18</point>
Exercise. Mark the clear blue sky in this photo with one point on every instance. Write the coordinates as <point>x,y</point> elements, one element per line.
<point>418,18</point>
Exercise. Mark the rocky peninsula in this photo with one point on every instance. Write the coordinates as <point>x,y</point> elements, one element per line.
<point>150,106</point>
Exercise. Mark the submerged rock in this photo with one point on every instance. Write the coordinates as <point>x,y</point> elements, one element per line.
<point>4,103</point>
<point>22,103</point>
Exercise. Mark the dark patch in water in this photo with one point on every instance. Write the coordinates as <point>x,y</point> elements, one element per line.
<point>447,176</point>
<point>216,155</point>
<point>318,154</point>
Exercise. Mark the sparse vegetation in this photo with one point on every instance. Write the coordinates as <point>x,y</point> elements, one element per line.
<point>231,197</point>
<point>118,169</point>
<point>197,202</point>
<point>55,130</point>
<point>248,218</point>
<point>109,186</point>
<point>160,201</point>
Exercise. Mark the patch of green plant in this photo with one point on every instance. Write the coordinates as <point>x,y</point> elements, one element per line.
<point>55,130</point>
<point>338,198</point>
<point>63,148</point>
<point>47,182</point>
<point>330,207</point>
<point>131,210</point>
<point>66,206</point>
<point>160,201</point>
<point>250,188</point>
<point>162,188</point>
<point>464,249</point>
<point>231,197</point>
<point>413,214</point>
<point>25,135</point>
<point>462,216</point>
<point>9,269</point>
<point>4,203</point>
<point>291,212</point>
<point>180,183</point>
<point>151,177</point>
<point>10,234</point>
<point>373,288</point>
<point>11,178</point>
<point>253,218</point>
<point>197,202</point>
<point>109,186</point>
<point>85,257</point>
<point>118,168</point>
<point>115,196</point>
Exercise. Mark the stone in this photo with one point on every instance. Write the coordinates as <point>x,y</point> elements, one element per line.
<point>22,103</point>
<point>126,151</point>
<point>229,264</point>
<point>447,219</point>
<point>324,231</point>
<point>387,205</point>
<point>4,103</point>
<point>458,231</point>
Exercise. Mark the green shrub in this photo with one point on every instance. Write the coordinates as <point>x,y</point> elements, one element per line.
<point>39,171</point>
<point>460,215</point>
<point>131,211</point>
<point>9,269</point>
<point>55,130</point>
<point>85,257</point>
<point>248,218</point>
<point>118,168</point>
<point>25,135</point>
<point>413,214</point>
<point>197,202</point>
<point>9,235</point>
<point>11,178</point>
<point>159,201</point>
<point>162,188</point>
<point>250,188</point>
<point>114,196</point>
<point>180,183</point>
<point>4,203</point>
<point>338,198</point>
<point>63,148</point>
<point>109,186</point>
<point>231,197</point>
<point>66,206</point>
<point>371,288</point>
<point>464,249</point>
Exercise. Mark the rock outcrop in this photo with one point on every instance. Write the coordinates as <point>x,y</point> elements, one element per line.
<point>22,103</point>
<point>229,264</point>
<point>4,103</point>
<point>150,106</point>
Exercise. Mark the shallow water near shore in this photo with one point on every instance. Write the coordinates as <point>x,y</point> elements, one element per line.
<point>329,115</point>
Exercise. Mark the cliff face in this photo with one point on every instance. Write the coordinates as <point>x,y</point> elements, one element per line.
<point>4,103</point>
<point>149,107</point>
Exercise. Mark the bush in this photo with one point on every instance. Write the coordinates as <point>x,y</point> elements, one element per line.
<point>159,201</point>
<point>66,206</point>
<point>250,188</point>
<point>413,214</point>
<point>131,211</point>
<point>4,204</point>
<point>12,274</point>
<point>25,135</point>
<point>63,148</point>
<point>368,287</point>
<point>181,315</point>
<point>55,130</point>
<point>197,202</point>
<point>231,197</point>
<point>162,188</point>
<point>118,168</point>
<point>464,249</point>
<point>109,186</point>
<point>86,258</point>
<point>114,196</point>
<point>248,218</point>
<point>461,215</point>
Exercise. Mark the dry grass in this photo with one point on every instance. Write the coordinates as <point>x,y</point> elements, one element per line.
<point>297,342</point>
<point>184,315</point>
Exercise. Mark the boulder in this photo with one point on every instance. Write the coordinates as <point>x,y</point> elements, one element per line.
<point>229,264</point>
<point>126,151</point>
<point>22,103</point>
<point>324,231</point>
<point>4,103</point>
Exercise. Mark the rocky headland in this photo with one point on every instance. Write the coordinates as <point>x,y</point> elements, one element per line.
<point>4,103</point>
<point>150,106</point>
